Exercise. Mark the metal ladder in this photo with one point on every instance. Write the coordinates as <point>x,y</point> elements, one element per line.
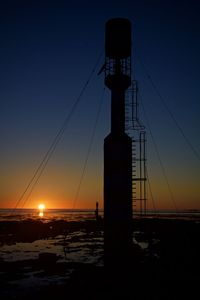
<point>137,132</point>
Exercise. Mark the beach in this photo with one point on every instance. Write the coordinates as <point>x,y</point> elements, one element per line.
<point>56,257</point>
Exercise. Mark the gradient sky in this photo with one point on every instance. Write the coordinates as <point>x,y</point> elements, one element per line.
<point>48,49</point>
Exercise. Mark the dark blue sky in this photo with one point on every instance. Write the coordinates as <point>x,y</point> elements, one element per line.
<point>48,49</point>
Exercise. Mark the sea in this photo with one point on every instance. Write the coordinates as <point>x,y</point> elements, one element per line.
<point>83,214</point>
<point>48,214</point>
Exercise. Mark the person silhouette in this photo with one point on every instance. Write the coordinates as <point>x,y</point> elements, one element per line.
<point>97,211</point>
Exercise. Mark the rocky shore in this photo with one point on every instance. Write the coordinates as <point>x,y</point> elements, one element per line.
<point>65,259</point>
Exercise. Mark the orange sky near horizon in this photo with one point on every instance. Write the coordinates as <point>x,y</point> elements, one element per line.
<point>55,198</point>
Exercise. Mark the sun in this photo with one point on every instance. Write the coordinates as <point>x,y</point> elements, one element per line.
<point>41,206</point>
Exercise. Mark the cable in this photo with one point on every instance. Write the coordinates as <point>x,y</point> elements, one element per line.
<point>39,170</point>
<point>188,142</point>
<point>89,149</point>
<point>150,189</point>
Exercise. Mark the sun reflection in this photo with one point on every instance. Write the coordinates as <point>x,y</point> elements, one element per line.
<point>41,214</point>
<point>41,208</point>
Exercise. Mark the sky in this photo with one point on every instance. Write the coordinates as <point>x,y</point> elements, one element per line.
<point>48,50</point>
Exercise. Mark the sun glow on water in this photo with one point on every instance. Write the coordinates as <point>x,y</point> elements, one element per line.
<point>41,208</point>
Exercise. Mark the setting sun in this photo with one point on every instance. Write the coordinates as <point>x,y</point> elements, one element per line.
<point>41,206</point>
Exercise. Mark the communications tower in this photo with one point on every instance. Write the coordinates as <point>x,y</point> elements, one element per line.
<point>117,146</point>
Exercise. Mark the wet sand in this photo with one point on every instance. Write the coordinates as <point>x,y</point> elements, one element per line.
<point>60,259</point>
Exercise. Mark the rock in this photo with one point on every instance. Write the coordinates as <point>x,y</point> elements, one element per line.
<point>47,259</point>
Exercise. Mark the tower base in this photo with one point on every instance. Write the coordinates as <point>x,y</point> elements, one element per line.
<point>117,200</point>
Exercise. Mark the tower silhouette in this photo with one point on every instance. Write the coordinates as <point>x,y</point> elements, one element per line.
<point>117,147</point>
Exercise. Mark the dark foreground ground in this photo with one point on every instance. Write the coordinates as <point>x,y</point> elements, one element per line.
<point>166,262</point>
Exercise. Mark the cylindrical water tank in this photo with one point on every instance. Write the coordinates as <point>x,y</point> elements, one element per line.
<point>118,38</point>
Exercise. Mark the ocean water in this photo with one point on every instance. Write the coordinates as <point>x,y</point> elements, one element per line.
<point>82,214</point>
<point>47,214</point>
